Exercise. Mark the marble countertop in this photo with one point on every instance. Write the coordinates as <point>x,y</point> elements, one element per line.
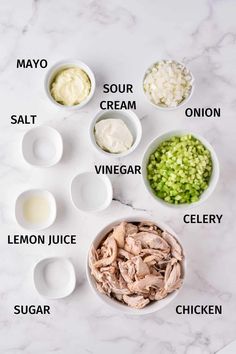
<point>119,40</point>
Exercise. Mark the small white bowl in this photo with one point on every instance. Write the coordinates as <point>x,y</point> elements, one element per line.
<point>54,277</point>
<point>41,196</point>
<point>91,192</point>
<point>215,168</point>
<point>65,64</point>
<point>115,304</point>
<point>42,146</point>
<point>183,102</point>
<point>129,118</point>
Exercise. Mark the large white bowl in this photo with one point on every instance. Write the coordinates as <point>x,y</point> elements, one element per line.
<point>115,304</point>
<point>183,102</point>
<point>64,64</point>
<point>129,118</point>
<point>215,167</point>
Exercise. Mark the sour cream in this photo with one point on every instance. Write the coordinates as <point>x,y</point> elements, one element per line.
<point>113,135</point>
<point>71,86</point>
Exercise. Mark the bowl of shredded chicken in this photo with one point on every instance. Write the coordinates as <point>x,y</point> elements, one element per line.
<point>136,266</point>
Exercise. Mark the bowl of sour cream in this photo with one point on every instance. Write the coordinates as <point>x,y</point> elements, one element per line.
<point>70,84</point>
<point>115,133</point>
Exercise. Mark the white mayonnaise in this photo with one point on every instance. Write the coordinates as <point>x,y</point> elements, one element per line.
<point>71,86</point>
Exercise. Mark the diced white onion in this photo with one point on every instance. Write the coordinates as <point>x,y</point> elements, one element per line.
<point>168,83</point>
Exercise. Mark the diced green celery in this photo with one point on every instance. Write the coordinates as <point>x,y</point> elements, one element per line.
<point>179,169</point>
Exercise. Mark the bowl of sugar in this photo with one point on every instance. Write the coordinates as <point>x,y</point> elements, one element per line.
<point>54,277</point>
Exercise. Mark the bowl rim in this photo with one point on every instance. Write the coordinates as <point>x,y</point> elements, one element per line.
<point>128,113</point>
<point>52,202</point>
<point>122,308</point>
<point>69,63</point>
<point>108,185</point>
<point>59,150</point>
<point>185,101</point>
<point>214,176</point>
<point>72,275</point>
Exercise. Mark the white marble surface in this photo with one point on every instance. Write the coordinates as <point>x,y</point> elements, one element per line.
<point>118,39</point>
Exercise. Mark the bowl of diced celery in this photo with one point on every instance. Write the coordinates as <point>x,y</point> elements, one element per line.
<point>180,169</point>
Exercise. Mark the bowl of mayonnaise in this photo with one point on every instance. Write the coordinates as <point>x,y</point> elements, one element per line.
<point>70,84</point>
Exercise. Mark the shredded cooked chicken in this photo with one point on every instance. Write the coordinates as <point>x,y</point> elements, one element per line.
<point>137,263</point>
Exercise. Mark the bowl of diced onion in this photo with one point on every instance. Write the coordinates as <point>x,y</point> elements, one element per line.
<point>168,84</point>
<point>180,169</point>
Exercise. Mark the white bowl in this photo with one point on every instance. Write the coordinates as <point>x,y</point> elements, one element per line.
<point>42,146</point>
<point>91,192</point>
<point>64,64</point>
<point>215,167</point>
<point>129,118</point>
<point>115,304</point>
<point>40,195</point>
<point>183,102</point>
<point>54,277</point>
